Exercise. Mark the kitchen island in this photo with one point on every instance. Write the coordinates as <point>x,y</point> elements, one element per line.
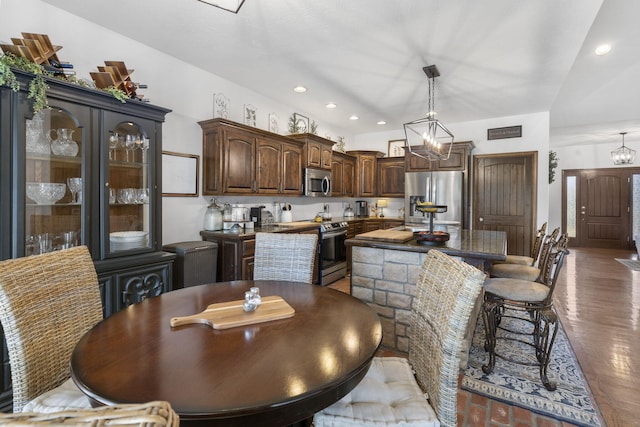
<point>385,269</point>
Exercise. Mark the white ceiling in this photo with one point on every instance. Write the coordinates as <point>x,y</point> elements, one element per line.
<point>496,57</point>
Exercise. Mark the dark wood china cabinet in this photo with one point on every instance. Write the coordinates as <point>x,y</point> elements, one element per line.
<point>86,171</point>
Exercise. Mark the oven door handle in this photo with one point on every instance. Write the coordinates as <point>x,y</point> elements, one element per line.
<point>330,234</point>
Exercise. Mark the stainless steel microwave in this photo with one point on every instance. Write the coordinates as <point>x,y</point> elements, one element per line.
<point>317,182</point>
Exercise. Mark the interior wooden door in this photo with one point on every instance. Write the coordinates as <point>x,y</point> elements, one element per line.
<point>603,208</point>
<point>504,197</point>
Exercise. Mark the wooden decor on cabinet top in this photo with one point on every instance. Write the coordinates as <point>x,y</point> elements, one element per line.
<point>36,48</point>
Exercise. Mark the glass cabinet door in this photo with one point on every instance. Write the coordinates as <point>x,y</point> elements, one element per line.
<point>129,187</point>
<point>54,179</point>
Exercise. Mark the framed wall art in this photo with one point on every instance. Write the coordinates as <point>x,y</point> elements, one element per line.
<point>396,147</point>
<point>301,123</point>
<point>249,115</point>
<point>221,105</point>
<point>273,122</point>
<point>180,174</point>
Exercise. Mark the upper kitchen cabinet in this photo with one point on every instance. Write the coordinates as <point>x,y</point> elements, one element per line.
<point>239,159</point>
<point>342,174</point>
<point>391,177</point>
<point>366,172</point>
<point>317,150</point>
<point>457,161</point>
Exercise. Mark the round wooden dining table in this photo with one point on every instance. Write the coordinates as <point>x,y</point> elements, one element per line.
<point>275,373</point>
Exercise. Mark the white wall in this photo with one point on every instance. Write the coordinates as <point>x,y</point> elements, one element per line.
<point>535,137</point>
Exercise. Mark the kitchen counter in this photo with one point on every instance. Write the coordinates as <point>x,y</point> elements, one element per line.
<point>384,273</point>
<point>250,233</point>
<point>467,244</point>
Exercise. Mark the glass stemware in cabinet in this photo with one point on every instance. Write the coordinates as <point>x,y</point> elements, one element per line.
<point>114,142</point>
<point>75,186</point>
<point>130,145</point>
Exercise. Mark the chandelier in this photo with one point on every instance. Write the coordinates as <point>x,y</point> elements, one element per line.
<point>230,5</point>
<point>427,137</point>
<point>623,155</point>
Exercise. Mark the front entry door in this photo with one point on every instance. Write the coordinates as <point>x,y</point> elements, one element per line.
<point>603,208</point>
<point>504,189</point>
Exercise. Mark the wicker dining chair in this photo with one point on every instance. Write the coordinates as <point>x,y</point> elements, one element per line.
<point>390,394</point>
<point>525,301</point>
<point>150,414</point>
<point>47,302</point>
<point>285,256</point>
<point>527,272</point>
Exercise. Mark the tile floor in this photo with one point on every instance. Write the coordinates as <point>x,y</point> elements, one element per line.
<point>475,410</point>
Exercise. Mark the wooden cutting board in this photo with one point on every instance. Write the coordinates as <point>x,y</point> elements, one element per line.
<point>230,314</point>
<point>387,235</point>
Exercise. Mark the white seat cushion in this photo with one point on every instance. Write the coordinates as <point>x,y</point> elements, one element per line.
<point>517,290</point>
<point>388,395</point>
<point>66,396</point>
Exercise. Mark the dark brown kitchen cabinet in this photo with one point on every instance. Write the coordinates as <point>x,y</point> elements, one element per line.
<point>238,154</point>
<point>366,172</point>
<point>239,159</point>
<point>372,225</point>
<point>342,171</point>
<point>317,150</point>
<point>106,164</point>
<point>391,177</point>
<point>457,161</point>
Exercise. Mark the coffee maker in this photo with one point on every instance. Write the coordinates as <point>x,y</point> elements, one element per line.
<point>362,209</point>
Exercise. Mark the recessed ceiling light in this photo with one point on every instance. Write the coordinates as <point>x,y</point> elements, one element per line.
<point>300,89</point>
<point>603,49</point>
<point>354,117</point>
<point>382,122</point>
<point>331,105</point>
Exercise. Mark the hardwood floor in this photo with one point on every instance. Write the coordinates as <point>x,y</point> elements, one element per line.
<point>598,300</point>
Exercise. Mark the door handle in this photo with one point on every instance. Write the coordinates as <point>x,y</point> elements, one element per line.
<point>481,219</point>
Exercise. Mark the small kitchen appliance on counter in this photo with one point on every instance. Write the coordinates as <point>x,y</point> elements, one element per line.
<point>362,209</point>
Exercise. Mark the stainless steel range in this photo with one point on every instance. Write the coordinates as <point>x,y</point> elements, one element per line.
<point>333,254</point>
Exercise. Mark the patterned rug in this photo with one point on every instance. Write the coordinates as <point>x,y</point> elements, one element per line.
<point>521,386</point>
<point>633,264</point>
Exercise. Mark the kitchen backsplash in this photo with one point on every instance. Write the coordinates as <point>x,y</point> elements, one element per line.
<point>304,208</point>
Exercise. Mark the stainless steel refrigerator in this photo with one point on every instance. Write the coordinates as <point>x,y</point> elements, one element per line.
<point>441,188</point>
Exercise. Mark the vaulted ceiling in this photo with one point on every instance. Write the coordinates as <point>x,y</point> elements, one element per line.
<point>496,57</point>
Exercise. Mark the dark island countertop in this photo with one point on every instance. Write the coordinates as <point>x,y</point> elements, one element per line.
<point>468,244</point>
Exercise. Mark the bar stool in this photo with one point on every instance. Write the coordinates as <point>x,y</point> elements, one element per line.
<point>526,272</point>
<point>535,250</point>
<point>506,298</point>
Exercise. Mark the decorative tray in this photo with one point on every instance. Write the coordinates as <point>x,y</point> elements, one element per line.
<point>434,238</point>
<point>431,208</point>
<point>230,314</point>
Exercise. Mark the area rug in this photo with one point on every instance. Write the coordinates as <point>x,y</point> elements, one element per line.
<point>633,264</point>
<point>520,385</point>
